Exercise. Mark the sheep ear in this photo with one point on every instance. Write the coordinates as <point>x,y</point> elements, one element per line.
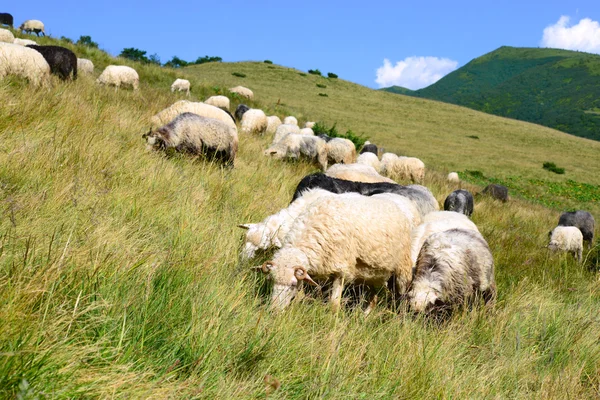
<point>245,226</point>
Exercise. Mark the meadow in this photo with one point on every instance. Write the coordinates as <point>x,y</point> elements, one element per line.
<point>120,275</point>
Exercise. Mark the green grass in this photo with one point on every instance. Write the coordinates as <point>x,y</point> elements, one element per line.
<point>120,276</point>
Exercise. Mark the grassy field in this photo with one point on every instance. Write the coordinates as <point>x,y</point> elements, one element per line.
<point>120,276</point>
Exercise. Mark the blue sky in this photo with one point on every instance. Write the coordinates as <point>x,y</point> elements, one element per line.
<point>349,38</point>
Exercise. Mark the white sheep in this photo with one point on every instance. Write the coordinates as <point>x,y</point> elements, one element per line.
<point>7,36</point>
<point>219,101</point>
<point>202,109</point>
<point>296,146</point>
<point>254,121</point>
<point>290,120</point>
<point>242,91</point>
<point>23,62</point>
<point>568,239</point>
<point>453,177</point>
<point>403,168</point>
<point>33,25</point>
<point>404,204</point>
<point>356,173</point>
<point>273,123</point>
<point>309,124</point>
<point>454,267</point>
<point>307,131</point>
<point>24,42</point>
<point>340,150</point>
<point>118,75</point>
<point>181,85</point>
<point>369,159</point>
<point>346,238</point>
<point>283,130</point>
<point>84,65</point>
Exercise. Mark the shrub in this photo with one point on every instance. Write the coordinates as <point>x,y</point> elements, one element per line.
<point>270,67</point>
<point>134,54</point>
<point>176,62</point>
<point>323,95</point>
<point>66,39</point>
<point>268,62</point>
<point>314,72</point>
<point>550,166</point>
<point>302,74</point>
<point>473,137</point>
<point>321,128</point>
<point>206,59</point>
<point>475,174</point>
<point>87,41</point>
<point>319,85</point>
<point>332,75</point>
<point>238,74</point>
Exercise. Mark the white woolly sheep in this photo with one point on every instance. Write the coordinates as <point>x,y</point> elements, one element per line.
<point>181,85</point>
<point>454,267</point>
<point>369,159</point>
<point>404,204</point>
<point>192,133</point>
<point>283,130</point>
<point>242,91</point>
<point>309,124</point>
<point>254,121</point>
<point>24,62</point>
<point>218,101</point>
<point>290,120</point>
<point>273,123</point>
<point>403,168</point>
<point>453,177</point>
<point>118,75</point>
<point>33,25</point>
<point>24,42</point>
<point>356,173</point>
<point>568,239</point>
<point>340,150</point>
<point>347,237</point>
<point>6,36</point>
<point>85,66</point>
<point>307,131</point>
<point>582,220</point>
<point>295,146</point>
<point>202,109</point>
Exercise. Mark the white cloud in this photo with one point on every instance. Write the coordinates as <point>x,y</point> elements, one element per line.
<point>414,72</point>
<point>585,36</point>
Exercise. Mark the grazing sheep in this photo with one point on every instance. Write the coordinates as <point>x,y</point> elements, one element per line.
<point>118,75</point>
<point>340,150</point>
<point>192,133</point>
<point>453,177</point>
<point>254,121</point>
<point>6,36</point>
<point>403,168</point>
<point>369,159</point>
<point>290,120</point>
<point>273,123</point>
<point>324,137</point>
<point>296,146</point>
<point>181,85</point>
<point>24,42</point>
<point>24,62</point>
<point>582,220</point>
<point>369,148</point>
<point>567,238</point>
<point>243,91</point>
<point>6,19</point>
<point>239,111</point>
<point>357,173</point>
<point>404,204</point>
<point>204,110</point>
<point>309,124</point>
<point>344,238</point>
<point>307,131</point>
<point>33,25</point>
<point>86,66</point>
<point>283,130</point>
<point>218,101</point>
<point>454,267</point>
<point>460,201</point>
<point>62,61</point>
<point>497,192</point>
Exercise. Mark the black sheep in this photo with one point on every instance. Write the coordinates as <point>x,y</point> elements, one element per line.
<point>6,19</point>
<point>62,61</point>
<point>460,201</point>
<point>497,192</point>
<point>240,111</point>
<point>369,148</point>
<point>582,220</point>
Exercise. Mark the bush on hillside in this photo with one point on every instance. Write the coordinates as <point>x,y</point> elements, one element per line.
<point>87,41</point>
<point>238,74</point>
<point>176,62</point>
<point>332,75</point>
<point>323,95</point>
<point>66,39</point>
<point>473,137</point>
<point>134,54</point>
<point>268,62</point>
<point>314,72</point>
<point>321,128</point>
<point>550,166</point>
<point>206,59</point>
<point>319,85</point>
<point>302,74</point>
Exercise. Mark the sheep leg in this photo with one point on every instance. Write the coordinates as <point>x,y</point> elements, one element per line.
<point>336,293</point>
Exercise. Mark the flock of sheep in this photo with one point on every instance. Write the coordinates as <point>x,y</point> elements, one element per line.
<point>350,224</point>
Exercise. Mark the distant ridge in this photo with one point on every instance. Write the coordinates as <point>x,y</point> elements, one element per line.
<point>397,90</point>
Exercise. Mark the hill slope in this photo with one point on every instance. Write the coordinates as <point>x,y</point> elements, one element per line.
<point>555,88</point>
<point>397,90</point>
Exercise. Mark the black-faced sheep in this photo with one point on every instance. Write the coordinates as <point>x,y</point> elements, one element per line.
<point>33,25</point>
<point>497,192</point>
<point>191,133</point>
<point>460,201</point>
<point>62,61</point>
<point>582,220</point>
<point>6,19</point>
<point>567,238</point>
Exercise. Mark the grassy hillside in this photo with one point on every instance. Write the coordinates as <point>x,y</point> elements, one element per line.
<point>550,87</point>
<point>120,277</point>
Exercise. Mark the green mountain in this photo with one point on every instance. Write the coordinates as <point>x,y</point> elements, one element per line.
<point>397,90</point>
<point>559,89</point>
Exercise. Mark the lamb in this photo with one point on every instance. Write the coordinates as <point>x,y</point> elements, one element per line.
<point>6,36</point>
<point>118,75</point>
<point>309,124</point>
<point>582,220</point>
<point>567,238</point>
<point>197,135</point>
<point>369,148</point>
<point>340,150</point>
<point>86,66</point>
<point>307,131</point>
<point>62,61</point>
<point>283,130</point>
<point>24,42</point>
<point>453,177</point>
<point>24,62</point>
<point>454,267</point>
<point>497,192</point>
<point>218,101</point>
<point>403,168</point>
<point>204,110</point>
<point>369,159</point>
<point>290,120</point>
<point>273,123</point>
<point>254,121</point>
<point>181,85</point>
<point>357,173</point>
<point>6,19</point>
<point>460,201</point>
<point>33,25</point>
<point>346,238</point>
<point>297,146</point>
<point>243,91</point>
<point>240,110</point>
